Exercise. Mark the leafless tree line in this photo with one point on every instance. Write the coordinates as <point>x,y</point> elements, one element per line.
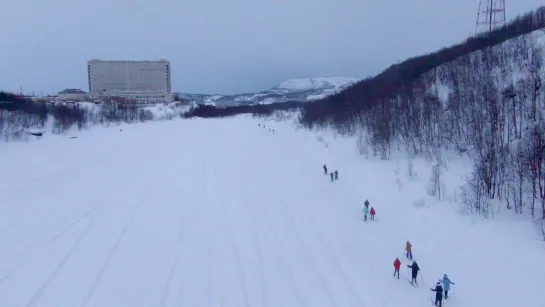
<point>19,116</point>
<point>257,110</point>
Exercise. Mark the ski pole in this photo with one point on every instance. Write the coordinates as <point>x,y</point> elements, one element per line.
<point>422,279</point>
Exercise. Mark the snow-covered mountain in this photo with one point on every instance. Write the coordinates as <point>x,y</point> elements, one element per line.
<point>290,90</point>
<point>295,85</point>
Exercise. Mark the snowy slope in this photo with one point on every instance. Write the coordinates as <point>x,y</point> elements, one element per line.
<point>132,219</point>
<point>290,90</point>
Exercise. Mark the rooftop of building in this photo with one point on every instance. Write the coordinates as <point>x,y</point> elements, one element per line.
<point>128,61</point>
<point>72,91</point>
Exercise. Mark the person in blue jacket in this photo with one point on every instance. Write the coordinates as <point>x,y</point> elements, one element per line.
<point>438,294</point>
<point>446,284</point>
<point>365,210</point>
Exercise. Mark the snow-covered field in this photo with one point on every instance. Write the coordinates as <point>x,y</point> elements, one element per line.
<point>224,213</point>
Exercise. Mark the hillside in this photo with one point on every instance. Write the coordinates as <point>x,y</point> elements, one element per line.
<point>488,104</point>
<point>371,92</point>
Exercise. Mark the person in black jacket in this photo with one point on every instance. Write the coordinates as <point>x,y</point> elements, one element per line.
<point>414,270</point>
<point>438,294</point>
<point>325,169</point>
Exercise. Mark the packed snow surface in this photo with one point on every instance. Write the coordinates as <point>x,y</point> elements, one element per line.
<point>225,213</point>
<point>314,83</point>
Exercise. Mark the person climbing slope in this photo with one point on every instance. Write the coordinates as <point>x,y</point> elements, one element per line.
<point>325,169</point>
<point>409,249</point>
<point>372,213</point>
<point>438,294</point>
<point>397,265</point>
<point>414,272</point>
<point>446,284</point>
<point>336,175</point>
<point>332,175</point>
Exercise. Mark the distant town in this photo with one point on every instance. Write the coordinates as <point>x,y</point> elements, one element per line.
<point>135,83</point>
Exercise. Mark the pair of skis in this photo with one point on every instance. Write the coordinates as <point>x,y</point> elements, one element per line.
<point>415,284</point>
<point>433,302</point>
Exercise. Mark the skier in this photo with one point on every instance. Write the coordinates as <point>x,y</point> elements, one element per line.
<point>325,169</point>
<point>366,203</point>
<point>332,175</point>
<point>414,271</point>
<point>336,175</point>
<point>446,284</point>
<point>372,213</point>
<point>409,249</point>
<point>438,294</point>
<point>365,211</point>
<point>397,265</point>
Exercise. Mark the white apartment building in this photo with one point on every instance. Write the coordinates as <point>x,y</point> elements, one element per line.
<point>140,81</point>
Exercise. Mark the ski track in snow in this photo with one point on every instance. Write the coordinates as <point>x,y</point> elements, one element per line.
<point>37,295</point>
<point>224,213</point>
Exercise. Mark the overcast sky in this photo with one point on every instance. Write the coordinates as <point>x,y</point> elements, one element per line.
<point>225,46</point>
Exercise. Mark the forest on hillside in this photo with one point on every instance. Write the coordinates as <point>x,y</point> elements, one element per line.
<point>484,98</point>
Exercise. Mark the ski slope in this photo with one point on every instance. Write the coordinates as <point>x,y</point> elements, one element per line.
<point>224,213</point>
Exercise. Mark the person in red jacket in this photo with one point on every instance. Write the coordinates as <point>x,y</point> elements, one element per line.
<point>397,265</point>
<point>372,213</point>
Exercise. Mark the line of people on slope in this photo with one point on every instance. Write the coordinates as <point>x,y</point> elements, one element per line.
<point>270,130</point>
<point>334,175</point>
<point>365,210</point>
<point>442,286</point>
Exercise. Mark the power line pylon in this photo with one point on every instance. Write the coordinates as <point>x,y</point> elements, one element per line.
<point>491,14</point>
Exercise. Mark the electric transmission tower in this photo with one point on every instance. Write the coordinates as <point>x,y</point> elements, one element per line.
<point>491,14</point>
